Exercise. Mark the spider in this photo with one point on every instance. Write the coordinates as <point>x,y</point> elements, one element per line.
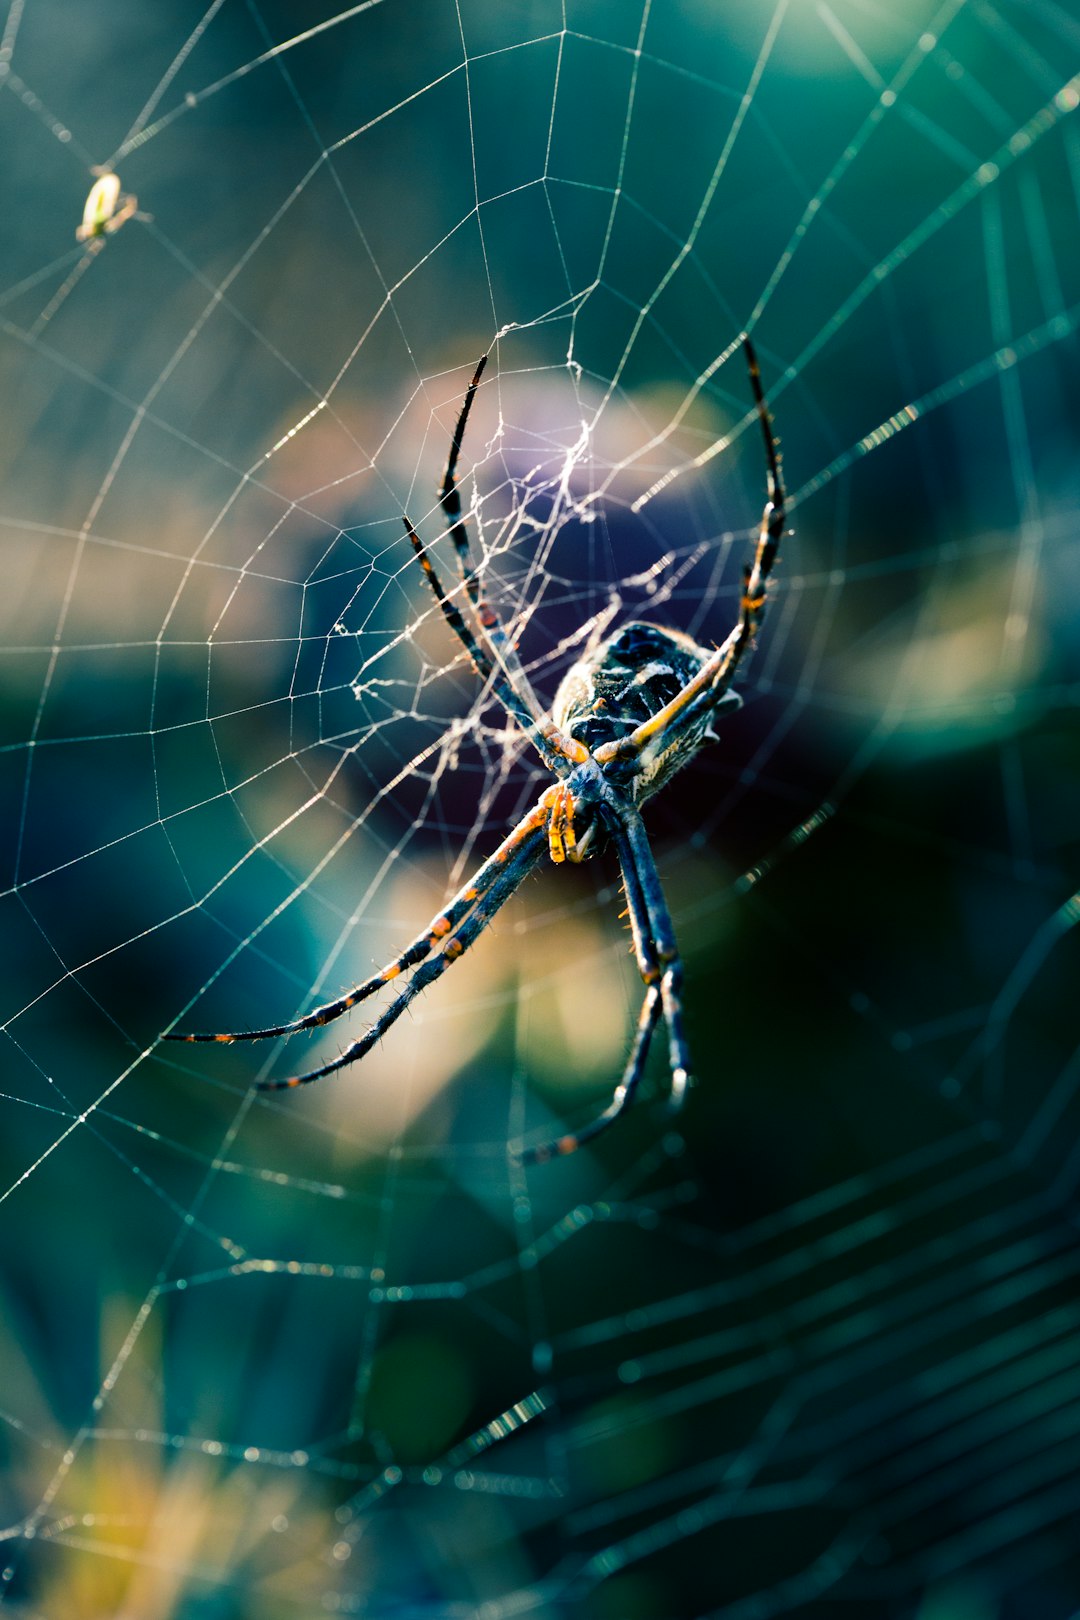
<point>626,717</point>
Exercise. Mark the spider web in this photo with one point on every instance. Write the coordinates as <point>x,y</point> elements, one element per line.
<point>813,1347</point>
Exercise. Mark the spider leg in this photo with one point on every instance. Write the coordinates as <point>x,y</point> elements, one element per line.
<point>480,660</point>
<point>661,969</point>
<point>450,501</point>
<point>648,967</point>
<point>453,946</point>
<point>525,836</point>
<point>705,690</point>
<point>622,1097</point>
<point>486,616</point>
<point>554,749</point>
<point>632,843</point>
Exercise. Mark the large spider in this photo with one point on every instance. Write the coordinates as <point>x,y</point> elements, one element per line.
<point>626,717</point>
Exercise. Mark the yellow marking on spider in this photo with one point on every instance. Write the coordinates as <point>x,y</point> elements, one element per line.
<point>560,827</point>
<point>225,1040</point>
<point>569,834</point>
<point>554,816</point>
<point>634,741</point>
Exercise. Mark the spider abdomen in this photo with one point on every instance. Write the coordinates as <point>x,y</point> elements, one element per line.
<point>625,681</point>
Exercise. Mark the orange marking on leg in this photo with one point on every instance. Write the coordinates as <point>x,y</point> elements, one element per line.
<point>453,949</point>
<point>439,927</point>
<point>386,975</point>
<point>225,1040</point>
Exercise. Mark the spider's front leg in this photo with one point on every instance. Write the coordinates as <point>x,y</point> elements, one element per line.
<point>710,685</point>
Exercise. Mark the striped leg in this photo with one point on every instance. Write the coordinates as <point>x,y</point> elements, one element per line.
<point>707,688</point>
<point>649,962</point>
<point>622,1097</point>
<point>554,749</point>
<point>450,501</point>
<point>526,837</point>
<point>633,846</point>
<point>453,944</point>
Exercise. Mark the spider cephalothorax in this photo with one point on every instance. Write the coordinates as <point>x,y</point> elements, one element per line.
<point>626,717</point>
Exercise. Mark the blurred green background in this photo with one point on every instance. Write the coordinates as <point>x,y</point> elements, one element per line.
<point>814,1348</point>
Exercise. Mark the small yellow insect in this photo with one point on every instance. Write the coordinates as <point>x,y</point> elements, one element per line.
<point>106,208</point>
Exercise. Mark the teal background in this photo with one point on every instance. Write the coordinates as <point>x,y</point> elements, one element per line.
<point>813,1347</point>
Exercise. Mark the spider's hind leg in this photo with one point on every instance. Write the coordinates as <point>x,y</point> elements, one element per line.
<point>634,852</point>
<point>622,1097</point>
<point>660,967</point>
